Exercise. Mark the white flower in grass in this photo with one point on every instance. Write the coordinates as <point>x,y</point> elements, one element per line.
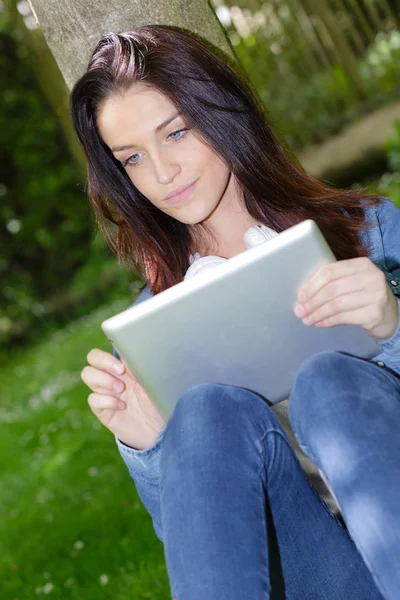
<point>79,545</point>
<point>48,588</point>
<point>93,471</point>
<point>104,579</point>
<point>13,225</point>
<point>34,402</point>
<point>44,495</point>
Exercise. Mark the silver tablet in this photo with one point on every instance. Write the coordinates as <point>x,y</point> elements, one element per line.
<point>233,325</point>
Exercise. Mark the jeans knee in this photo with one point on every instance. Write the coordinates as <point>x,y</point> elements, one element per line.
<point>316,387</point>
<point>202,406</point>
<point>217,418</point>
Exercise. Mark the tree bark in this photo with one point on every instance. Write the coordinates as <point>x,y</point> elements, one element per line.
<point>72,29</point>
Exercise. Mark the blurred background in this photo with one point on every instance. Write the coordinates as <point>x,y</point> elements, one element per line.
<point>71,523</point>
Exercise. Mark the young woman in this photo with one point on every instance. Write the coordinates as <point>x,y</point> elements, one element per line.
<point>181,163</point>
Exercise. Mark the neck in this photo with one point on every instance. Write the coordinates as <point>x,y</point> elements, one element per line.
<point>227,225</point>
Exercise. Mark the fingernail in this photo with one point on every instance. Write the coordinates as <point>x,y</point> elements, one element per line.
<point>121,405</point>
<point>118,386</point>
<point>119,368</point>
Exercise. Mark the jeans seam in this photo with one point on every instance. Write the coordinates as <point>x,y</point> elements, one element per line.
<point>261,441</point>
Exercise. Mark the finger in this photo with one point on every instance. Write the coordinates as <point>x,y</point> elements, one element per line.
<point>329,273</point>
<point>108,392</point>
<point>99,402</point>
<point>100,381</point>
<point>363,315</point>
<point>340,304</point>
<point>329,293</point>
<point>105,361</point>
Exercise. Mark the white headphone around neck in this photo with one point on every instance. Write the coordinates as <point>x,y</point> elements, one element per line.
<point>253,237</point>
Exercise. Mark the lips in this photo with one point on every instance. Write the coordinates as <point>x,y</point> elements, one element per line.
<point>181,193</point>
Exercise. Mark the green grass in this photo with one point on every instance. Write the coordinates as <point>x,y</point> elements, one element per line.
<point>71,523</point>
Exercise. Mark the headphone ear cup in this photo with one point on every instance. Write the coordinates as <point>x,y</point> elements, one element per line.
<point>206,263</point>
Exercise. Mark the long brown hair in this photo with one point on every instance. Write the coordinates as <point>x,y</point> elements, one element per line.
<point>222,107</point>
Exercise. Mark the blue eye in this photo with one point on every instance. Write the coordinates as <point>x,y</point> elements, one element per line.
<point>128,161</point>
<point>182,131</point>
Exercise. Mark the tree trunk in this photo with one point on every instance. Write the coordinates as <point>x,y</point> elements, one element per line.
<point>72,29</point>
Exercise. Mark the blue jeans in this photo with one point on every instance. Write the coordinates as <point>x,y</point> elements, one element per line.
<point>240,518</point>
<point>345,413</point>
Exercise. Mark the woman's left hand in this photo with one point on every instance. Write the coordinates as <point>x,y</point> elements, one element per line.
<point>349,292</point>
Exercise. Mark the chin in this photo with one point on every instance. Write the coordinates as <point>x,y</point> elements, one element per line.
<point>187,220</point>
<point>196,215</point>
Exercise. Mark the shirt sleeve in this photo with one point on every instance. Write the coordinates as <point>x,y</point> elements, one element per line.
<point>388,219</point>
<point>144,468</point>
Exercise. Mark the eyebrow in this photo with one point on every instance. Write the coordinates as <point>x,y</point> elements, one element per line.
<point>157,130</point>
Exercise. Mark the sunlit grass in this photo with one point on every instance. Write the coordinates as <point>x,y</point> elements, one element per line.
<point>71,523</point>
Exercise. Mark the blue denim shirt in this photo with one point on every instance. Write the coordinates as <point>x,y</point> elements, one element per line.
<point>384,239</point>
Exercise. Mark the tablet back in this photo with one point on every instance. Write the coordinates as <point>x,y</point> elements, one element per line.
<point>234,325</point>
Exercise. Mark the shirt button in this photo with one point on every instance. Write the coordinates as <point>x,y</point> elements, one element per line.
<point>380,363</point>
<point>394,282</point>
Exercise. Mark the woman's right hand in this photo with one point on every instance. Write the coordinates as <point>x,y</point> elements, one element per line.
<point>120,402</point>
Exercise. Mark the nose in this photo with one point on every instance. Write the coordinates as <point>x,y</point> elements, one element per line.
<point>166,167</point>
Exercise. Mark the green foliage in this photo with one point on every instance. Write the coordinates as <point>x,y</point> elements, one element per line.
<point>379,68</point>
<point>308,103</point>
<point>389,183</point>
<point>45,224</point>
<point>392,147</point>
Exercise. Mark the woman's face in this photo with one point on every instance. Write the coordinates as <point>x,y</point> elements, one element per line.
<point>145,133</point>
